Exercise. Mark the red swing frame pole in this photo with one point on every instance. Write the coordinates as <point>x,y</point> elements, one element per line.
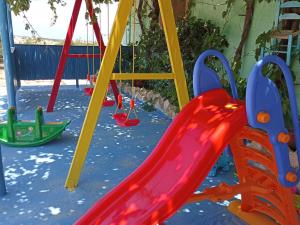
<point>65,53</point>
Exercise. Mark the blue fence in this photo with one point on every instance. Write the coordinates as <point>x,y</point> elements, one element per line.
<point>38,62</point>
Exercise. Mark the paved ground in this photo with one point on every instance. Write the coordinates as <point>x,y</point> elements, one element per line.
<point>35,176</point>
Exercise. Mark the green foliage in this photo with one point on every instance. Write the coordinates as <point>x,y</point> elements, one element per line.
<point>274,73</point>
<point>230,3</point>
<point>18,6</point>
<point>262,41</point>
<point>195,36</point>
<point>241,84</point>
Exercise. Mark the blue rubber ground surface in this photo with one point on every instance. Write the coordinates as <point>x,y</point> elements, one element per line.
<point>35,176</point>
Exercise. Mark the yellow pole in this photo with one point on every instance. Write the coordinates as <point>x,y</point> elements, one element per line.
<point>169,25</point>
<point>99,93</point>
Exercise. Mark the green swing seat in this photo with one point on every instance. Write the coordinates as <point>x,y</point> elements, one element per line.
<point>21,133</point>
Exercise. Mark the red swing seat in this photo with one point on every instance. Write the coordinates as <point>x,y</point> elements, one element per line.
<point>122,118</point>
<point>88,91</point>
<point>108,103</point>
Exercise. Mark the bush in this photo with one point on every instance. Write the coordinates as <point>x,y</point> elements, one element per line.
<point>195,36</point>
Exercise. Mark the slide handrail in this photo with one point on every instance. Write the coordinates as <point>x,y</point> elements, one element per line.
<point>263,97</point>
<point>205,79</point>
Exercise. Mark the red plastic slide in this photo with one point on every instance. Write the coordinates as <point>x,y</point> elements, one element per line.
<point>177,166</point>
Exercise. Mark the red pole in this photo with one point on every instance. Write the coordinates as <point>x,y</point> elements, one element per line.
<point>66,48</point>
<point>63,56</point>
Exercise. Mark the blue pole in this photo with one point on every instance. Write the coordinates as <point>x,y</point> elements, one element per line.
<point>2,181</point>
<point>10,28</point>
<point>12,44</point>
<point>8,62</point>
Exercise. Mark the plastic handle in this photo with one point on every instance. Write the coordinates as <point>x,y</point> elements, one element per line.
<point>120,101</point>
<point>132,103</point>
<point>200,64</point>
<point>290,86</point>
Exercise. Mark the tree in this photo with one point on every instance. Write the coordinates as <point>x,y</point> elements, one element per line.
<point>250,7</point>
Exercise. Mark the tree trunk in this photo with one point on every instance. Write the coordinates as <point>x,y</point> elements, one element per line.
<point>181,8</point>
<point>246,30</point>
<point>155,9</point>
<point>140,15</point>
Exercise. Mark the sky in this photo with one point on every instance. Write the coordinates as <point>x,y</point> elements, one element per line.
<point>40,16</point>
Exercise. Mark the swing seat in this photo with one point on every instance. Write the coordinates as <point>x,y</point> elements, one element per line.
<point>130,123</point>
<point>88,91</point>
<point>108,103</point>
<point>122,121</point>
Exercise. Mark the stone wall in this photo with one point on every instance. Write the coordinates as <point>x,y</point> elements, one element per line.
<point>156,99</point>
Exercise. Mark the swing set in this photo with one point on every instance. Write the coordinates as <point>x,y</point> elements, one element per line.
<point>66,48</point>
<point>106,74</point>
<point>121,117</point>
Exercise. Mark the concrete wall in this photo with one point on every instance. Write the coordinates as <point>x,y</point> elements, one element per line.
<point>263,19</point>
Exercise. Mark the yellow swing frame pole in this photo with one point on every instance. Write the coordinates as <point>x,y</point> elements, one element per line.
<point>105,75</point>
<point>167,15</point>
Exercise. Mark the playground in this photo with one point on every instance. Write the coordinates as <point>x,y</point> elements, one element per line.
<point>86,139</point>
<point>35,176</point>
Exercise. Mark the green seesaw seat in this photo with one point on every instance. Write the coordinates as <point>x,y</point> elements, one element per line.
<point>21,133</point>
